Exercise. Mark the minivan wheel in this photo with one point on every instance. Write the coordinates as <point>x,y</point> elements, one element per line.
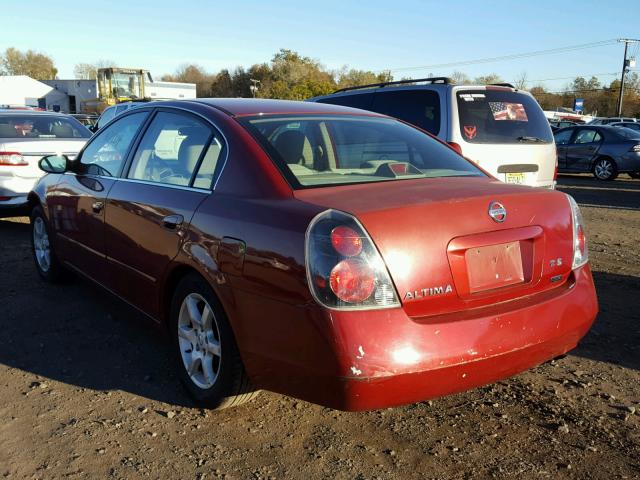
<point>605,169</point>
<point>47,264</point>
<point>207,356</point>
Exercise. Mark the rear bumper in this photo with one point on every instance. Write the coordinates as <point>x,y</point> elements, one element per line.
<point>377,359</point>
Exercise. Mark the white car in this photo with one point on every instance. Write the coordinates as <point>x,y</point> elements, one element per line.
<point>25,137</point>
<point>499,127</point>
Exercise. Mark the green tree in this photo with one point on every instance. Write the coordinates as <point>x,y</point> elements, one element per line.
<point>33,64</point>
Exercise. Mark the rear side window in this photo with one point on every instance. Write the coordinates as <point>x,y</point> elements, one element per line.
<point>175,149</point>
<point>359,100</point>
<point>501,116</point>
<point>587,136</point>
<point>418,107</point>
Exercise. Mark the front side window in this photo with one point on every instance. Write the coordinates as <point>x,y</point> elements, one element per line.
<point>563,137</point>
<point>418,107</point>
<point>106,116</point>
<point>315,151</point>
<point>106,154</point>
<point>501,116</point>
<point>177,149</point>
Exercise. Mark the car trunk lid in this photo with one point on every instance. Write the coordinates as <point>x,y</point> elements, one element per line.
<point>444,251</point>
<point>34,149</point>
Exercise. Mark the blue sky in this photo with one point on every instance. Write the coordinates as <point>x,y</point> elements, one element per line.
<point>374,35</point>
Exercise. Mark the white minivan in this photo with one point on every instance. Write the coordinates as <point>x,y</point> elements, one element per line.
<point>499,127</point>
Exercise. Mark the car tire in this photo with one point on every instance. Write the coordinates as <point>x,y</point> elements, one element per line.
<point>47,264</point>
<point>206,354</point>
<point>634,174</point>
<point>605,169</point>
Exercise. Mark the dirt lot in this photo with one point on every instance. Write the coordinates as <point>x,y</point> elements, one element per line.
<point>86,391</point>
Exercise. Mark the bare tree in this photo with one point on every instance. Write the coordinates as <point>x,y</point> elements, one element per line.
<point>521,81</point>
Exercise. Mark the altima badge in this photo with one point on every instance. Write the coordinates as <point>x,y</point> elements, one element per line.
<point>497,212</point>
<point>428,292</point>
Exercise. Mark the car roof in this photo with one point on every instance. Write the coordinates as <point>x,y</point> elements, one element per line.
<point>11,111</point>
<point>239,107</point>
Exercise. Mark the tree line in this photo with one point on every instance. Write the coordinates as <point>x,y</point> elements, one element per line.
<point>289,75</point>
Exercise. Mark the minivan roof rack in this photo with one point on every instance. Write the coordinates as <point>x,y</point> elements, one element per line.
<point>504,84</point>
<point>444,80</point>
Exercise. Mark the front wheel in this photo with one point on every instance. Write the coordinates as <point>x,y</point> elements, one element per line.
<point>605,169</point>
<point>207,357</point>
<point>47,264</point>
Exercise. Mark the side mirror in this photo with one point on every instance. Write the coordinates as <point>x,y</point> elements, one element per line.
<point>54,163</point>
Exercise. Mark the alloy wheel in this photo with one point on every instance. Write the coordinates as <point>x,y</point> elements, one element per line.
<point>199,341</point>
<point>603,169</point>
<point>41,245</point>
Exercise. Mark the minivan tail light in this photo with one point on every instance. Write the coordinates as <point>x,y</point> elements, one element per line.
<point>456,147</point>
<point>12,159</point>
<point>580,252</point>
<point>344,269</point>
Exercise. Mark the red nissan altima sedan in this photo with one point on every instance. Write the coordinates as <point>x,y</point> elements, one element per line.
<point>327,253</point>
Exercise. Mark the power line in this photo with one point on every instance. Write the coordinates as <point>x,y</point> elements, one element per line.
<point>573,77</point>
<point>570,48</point>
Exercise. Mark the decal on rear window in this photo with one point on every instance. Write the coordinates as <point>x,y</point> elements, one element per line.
<point>508,111</point>
<point>470,131</point>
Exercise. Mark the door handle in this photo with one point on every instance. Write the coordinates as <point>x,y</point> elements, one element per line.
<point>172,222</point>
<point>97,207</point>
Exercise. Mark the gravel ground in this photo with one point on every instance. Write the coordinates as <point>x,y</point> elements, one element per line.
<point>86,391</point>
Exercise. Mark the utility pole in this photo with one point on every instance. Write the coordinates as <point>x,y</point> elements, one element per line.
<point>626,64</point>
<point>254,87</point>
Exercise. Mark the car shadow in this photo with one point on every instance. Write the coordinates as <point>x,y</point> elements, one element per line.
<point>615,336</point>
<point>621,194</point>
<point>77,333</point>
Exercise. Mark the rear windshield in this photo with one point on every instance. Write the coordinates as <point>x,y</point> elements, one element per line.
<point>41,127</point>
<point>500,116</point>
<point>316,151</point>
<point>628,134</point>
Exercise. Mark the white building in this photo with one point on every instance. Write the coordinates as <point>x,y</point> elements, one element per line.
<point>67,96</point>
<point>20,90</point>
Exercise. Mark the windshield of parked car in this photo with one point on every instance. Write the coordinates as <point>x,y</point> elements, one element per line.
<point>501,116</point>
<point>46,127</point>
<point>315,151</point>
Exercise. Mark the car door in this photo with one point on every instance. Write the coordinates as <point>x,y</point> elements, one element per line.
<point>148,211</point>
<point>583,149</point>
<point>562,138</point>
<point>76,204</point>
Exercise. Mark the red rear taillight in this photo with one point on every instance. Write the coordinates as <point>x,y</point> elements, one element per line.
<point>344,268</point>
<point>346,241</point>
<point>12,159</point>
<point>352,280</point>
<point>456,147</point>
<point>580,252</point>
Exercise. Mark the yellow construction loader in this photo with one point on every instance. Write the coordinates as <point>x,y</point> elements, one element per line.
<point>117,85</point>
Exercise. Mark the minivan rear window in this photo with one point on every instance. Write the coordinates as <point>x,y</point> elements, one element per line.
<point>501,116</point>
